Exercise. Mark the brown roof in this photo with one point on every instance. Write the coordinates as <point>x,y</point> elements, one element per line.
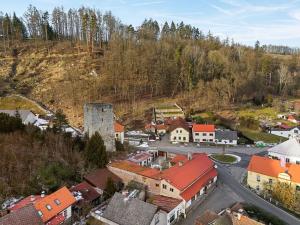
<point>98,178</point>
<point>23,216</point>
<point>178,123</point>
<point>167,204</point>
<point>206,218</point>
<point>88,191</point>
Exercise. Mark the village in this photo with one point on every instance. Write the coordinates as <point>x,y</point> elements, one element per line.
<point>175,167</point>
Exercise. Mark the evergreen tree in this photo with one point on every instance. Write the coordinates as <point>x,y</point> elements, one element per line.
<point>60,120</point>
<point>110,188</point>
<point>95,152</point>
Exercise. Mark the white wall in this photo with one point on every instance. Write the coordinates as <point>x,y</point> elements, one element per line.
<point>286,133</point>
<point>180,135</point>
<point>292,159</point>
<point>120,136</point>
<point>227,142</point>
<point>204,136</point>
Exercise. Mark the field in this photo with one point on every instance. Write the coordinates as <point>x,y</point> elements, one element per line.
<point>16,102</point>
<point>259,113</point>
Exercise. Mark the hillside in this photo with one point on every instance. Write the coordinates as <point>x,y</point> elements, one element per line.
<point>135,68</point>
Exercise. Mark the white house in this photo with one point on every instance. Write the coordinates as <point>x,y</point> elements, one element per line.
<point>119,132</point>
<point>203,133</point>
<point>226,137</point>
<point>179,131</point>
<point>26,116</point>
<point>288,150</point>
<point>287,133</point>
<point>170,208</point>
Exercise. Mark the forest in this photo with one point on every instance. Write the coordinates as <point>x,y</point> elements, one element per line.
<point>125,64</point>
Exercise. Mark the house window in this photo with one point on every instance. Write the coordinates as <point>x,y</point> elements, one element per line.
<point>180,131</point>
<point>257,187</point>
<point>296,131</point>
<point>211,134</point>
<point>40,213</point>
<point>176,131</point>
<point>179,138</point>
<point>174,138</point>
<point>298,162</point>
<point>230,141</point>
<point>156,185</point>
<point>297,188</point>
<point>258,178</point>
<point>211,140</point>
<point>49,207</point>
<point>196,134</point>
<point>203,139</point>
<point>164,186</point>
<point>57,202</point>
<point>204,134</point>
<point>184,138</point>
<point>270,181</point>
<point>171,189</point>
<point>287,160</point>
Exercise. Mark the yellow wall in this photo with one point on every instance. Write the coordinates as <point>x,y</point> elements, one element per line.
<point>253,183</point>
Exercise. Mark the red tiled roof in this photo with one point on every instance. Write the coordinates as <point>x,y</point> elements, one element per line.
<point>23,216</point>
<point>24,202</point>
<point>272,167</point>
<point>179,158</point>
<point>59,219</point>
<point>167,204</point>
<point>203,128</point>
<point>65,198</point>
<point>183,176</point>
<point>192,190</point>
<point>178,123</point>
<point>88,192</point>
<point>98,178</point>
<point>118,127</point>
<point>161,127</point>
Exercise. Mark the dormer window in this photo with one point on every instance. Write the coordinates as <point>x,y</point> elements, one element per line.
<point>49,207</point>
<point>40,213</point>
<point>57,202</point>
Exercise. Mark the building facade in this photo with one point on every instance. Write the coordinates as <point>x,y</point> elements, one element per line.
<point>203,133</point>
<point>286,133</point>
<point>99,117</point>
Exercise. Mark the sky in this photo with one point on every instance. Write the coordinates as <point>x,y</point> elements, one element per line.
<point>271,22</point>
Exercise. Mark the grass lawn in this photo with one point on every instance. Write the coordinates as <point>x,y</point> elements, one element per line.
<point>256,135</point>
<point>15,102</point>
<point>224,158</point>
<point>256,113</point>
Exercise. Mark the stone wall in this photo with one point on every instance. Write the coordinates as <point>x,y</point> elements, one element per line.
<point>99,117</point>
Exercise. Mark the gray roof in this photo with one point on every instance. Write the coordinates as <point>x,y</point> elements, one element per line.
<point>23,216</point>
<point>130,211</point>
<point>282,129</point>
<point>290,147</point>
<point>26,115</point>
<point>226,135</point>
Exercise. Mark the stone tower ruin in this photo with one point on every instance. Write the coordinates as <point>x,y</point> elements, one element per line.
<point>100,117</point>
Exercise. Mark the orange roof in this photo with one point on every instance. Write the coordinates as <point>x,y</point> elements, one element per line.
<point>203,128</point>
<point>118,127</point>
<point>134,168</point>
<point>179,158</point>
<point>192,190</point>
<point>65,199</point>
<point>182,176</point>
<point>272,168</point>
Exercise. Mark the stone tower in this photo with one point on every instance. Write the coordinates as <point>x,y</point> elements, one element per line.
<point>99,117</point>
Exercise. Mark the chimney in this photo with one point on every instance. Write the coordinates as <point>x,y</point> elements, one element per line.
<point>180,163</point>
<point>239,216</point>
<point>43,194</point>
<point>190,156</point>
<point>32,198</point>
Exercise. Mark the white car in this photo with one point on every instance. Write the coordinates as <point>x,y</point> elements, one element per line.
<point>175,142</point>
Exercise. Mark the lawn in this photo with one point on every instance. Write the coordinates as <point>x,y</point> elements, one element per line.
<point>257,113</point>
<point>223,158</point>
<point>16,102</point>
<point>256,135</point>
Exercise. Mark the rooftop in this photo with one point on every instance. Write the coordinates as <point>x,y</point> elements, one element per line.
<point>272,168</point>
<point>58,201</point>
<point>206,218</point>
<point>290,147</point>
<point>140,157</point>
<point>164,203</point>
<point>129,211</point>
<point>25,201</point>
<point>23,216</point>
<point>203,128</point>
<point>87,191</point>
<point>98,178</point>
<point>178,123</point>
<point>118,127</point>
<point>23,113</point>
<point>226,135</point>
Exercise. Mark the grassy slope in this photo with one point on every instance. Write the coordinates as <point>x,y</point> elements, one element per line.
<point>15,102</point>
<point>224,158</point>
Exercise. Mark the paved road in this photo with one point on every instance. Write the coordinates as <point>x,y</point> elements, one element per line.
<point>252,198</point>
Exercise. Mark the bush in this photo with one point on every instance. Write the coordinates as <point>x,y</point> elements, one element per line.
<point>10,123</point>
